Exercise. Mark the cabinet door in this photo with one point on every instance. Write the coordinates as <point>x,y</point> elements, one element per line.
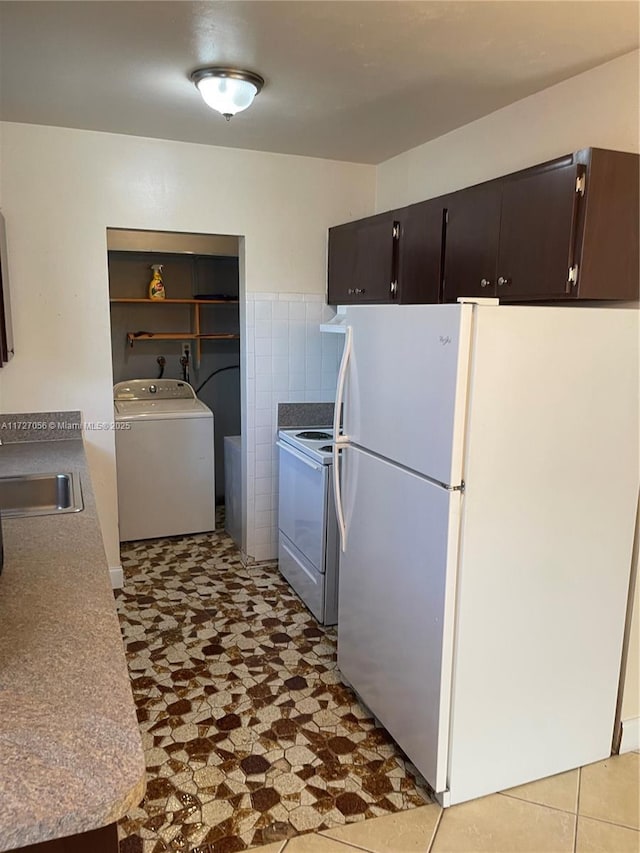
<point>608,251</point>
<point>343,247</point>
<point>537,226</point>
<point>420,252</point>
<point>6,335</point>
<point>471,241</point>
<point>375,259</point>
<point>362,260</point>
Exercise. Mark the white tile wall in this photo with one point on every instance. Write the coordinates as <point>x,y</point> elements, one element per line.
<point>287,359</point>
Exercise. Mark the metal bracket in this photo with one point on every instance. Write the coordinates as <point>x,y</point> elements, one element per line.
<point>573,275</point>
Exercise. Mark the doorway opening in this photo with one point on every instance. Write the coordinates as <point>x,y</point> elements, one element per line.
<point>191,334</point>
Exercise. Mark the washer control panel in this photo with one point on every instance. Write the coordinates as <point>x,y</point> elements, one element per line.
<point>159,389</point>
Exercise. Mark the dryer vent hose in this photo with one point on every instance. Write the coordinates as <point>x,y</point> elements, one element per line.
<point>215,372</point>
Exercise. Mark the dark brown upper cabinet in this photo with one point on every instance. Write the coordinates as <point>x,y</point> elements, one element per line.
<point>567,229</point>
<point>362,260</point>
<point>607,239</point>
<point>420,244</point>
<point>472,229</point>
<point>514,237</point>
<point>538,219</point>
<point>391,257</point>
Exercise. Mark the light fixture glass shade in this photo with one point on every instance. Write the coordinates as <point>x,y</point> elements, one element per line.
<point>225,95</point>
<point>229,91</point>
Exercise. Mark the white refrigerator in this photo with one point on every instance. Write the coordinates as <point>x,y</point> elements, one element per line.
<point>487,495</point>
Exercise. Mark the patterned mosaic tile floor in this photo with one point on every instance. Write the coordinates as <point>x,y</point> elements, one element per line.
<point>249,734</point>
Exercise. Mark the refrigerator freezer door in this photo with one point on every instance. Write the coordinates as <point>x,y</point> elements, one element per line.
<point>396,603</point>
<point>406,385</point>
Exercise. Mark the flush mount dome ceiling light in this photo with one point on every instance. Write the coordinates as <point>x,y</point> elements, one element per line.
<point>227,90</point>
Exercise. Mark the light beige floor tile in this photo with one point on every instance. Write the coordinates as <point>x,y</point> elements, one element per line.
<point>594,836</point>
<point>274,847</point>
<point>316,844</point>
<point>559,792</point>
<point>499,824</point>
<point>610,790</point>
<point>405,832</point>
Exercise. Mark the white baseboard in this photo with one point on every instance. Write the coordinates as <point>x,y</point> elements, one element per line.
<point>117,577</point>
<point>252,561</point>
<point>630,735</point>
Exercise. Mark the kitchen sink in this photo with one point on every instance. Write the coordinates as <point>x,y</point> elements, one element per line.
<point>40,494</point>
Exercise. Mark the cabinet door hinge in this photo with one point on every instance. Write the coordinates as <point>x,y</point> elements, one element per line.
<point>394,288</point>
<point>573,275</point>
<point>396,231</point>
<point>581,183</point>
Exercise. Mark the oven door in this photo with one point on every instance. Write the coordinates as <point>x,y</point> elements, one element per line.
<point>302,503</point>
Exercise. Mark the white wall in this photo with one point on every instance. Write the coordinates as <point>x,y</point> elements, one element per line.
<point>599,108</point>
<point>61,189</point>
<point>630,709</point>
<point>288,360</point>
<point>168,241</point>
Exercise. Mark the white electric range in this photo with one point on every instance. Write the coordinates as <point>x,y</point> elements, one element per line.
<point>316,442</point>
<point>308,534</point>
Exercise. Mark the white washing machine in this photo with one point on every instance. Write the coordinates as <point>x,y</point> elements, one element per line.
<point>164,458</point>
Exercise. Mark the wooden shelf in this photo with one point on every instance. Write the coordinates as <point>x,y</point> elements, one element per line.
<point>194,335</point>
<point>179,336</point>
<point>188,277</point>
<point>174,301</point>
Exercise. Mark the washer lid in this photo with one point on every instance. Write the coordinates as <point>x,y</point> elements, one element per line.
<point>161,409</point>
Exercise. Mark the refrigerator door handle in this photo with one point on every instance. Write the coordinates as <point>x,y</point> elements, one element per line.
<point>340,439</point>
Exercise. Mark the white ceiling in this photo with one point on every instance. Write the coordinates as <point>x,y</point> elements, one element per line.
<point>354,80</point>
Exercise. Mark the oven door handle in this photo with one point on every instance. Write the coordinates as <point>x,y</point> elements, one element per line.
<point>339,439</point>
<point>288,449</point>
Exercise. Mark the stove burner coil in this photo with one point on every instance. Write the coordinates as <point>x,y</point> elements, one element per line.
<point>313,434</point>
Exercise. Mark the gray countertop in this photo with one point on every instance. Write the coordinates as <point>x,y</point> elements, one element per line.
<point>71,757</point>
